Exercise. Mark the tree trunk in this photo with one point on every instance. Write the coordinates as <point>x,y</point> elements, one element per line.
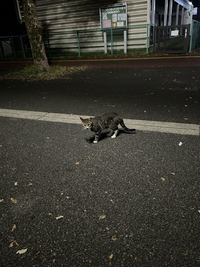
<point>34,30</point>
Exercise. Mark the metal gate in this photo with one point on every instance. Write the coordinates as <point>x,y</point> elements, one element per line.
<point>172,39</point>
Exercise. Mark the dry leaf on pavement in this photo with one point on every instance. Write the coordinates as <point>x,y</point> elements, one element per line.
<point>114,238</point>
<point>59,217</point>
<point>14,242</point>
<point>13,200</point>
<point>102,217</point>
<point>21,251</point>
<point>111,256</point>
<point>14,227</point>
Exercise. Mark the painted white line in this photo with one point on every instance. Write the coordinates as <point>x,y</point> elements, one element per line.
<point>154,126</point>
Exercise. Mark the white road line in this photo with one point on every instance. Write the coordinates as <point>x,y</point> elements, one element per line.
<point>154,126</point>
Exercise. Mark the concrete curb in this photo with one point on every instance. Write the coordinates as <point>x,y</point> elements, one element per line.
<point>142,125</point>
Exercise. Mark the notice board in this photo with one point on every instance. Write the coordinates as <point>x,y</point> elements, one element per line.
<point>114,16</point>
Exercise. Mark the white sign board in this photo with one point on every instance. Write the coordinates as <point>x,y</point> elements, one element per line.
<point>113,16</point>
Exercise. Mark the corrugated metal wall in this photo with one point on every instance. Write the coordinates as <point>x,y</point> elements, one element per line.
<point>62,18</point>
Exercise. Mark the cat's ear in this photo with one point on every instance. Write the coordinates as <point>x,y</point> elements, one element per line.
<point>81,118</point>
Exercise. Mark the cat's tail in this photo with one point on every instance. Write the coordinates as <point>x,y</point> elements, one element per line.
<point>126,129</point>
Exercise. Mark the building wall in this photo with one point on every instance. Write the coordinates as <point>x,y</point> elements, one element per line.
<point>62,18</point>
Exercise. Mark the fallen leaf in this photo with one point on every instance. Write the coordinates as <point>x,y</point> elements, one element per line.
<point>77,163</point>
<point>163,179</point>
<point>111,256</point>
<point>102,217</point>
<point>172,173</point>
<point>16,183</point>
<point>13,200</point>
<point>67,197</point>
<point>14,227</point>
<point>47,137</point>
<point>30,184</point>
<point>1,145</point>
<point>14,242</point>
<point>114,238</point>
<point>180,143</point>
<point>198,211</point>
<point>22,251</point>
<point>1,200</point>
<point>11,245</point>
<point>59,217</point>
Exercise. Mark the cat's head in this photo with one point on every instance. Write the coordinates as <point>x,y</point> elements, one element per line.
<point>87,123</point>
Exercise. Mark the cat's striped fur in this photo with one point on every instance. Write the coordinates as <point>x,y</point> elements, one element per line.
<point>105,121</point>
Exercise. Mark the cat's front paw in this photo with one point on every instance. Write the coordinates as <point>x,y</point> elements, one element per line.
<point>95,141</point>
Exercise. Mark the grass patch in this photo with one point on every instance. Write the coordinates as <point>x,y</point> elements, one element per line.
<point>31,73</point>
<point>60,54</point>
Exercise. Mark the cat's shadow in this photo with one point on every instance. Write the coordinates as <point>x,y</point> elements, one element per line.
<point>105,136</point>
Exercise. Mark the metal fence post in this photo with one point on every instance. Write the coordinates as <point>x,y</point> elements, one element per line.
<point>78,40</point>
<point>2,54</point>
<point>105,42</point>
<point>147,44</point>
<point>12,45</point>
<point>22,47</point>
<point>111,32</point>
<point>125,41</point>
<point>191,39</point>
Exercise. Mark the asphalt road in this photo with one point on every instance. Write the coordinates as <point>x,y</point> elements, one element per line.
<point>151,91</point>
<point>129,201</point>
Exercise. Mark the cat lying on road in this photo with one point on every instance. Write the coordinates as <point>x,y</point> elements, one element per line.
<point>106,121</point>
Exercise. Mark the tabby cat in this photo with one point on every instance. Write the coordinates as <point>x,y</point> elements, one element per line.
<point>106,121</point>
